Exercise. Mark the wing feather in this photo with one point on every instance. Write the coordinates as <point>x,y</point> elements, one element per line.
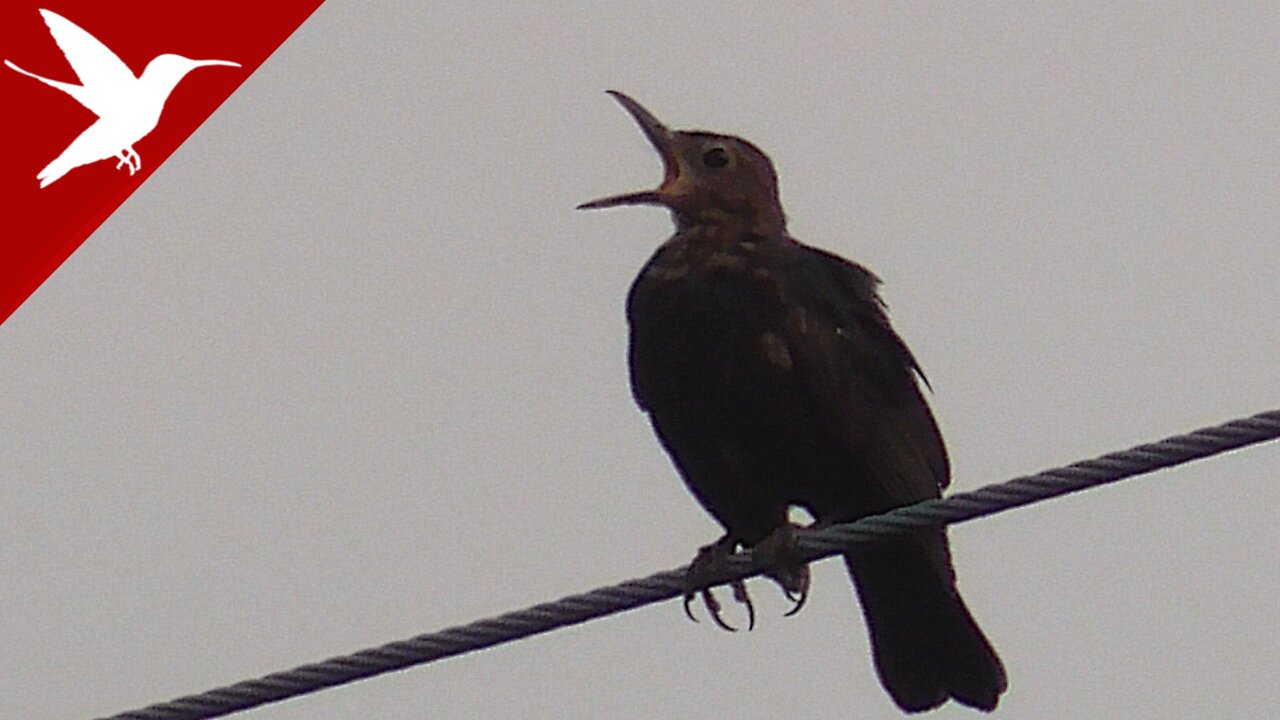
<point>103,74</point>
<point>864,378</point>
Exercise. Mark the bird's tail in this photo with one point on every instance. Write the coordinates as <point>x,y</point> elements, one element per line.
<point>54,170</point>
<point>926,645</point>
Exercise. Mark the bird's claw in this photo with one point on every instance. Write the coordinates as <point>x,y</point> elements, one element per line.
<point>129,158</point>
<point>797,597</point>
<point>714,609</point>
<point>705,566</point>
<point>742,597</point>
<point>779,551</point>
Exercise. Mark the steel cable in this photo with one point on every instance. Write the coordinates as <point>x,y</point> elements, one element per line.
<point>661,586</point>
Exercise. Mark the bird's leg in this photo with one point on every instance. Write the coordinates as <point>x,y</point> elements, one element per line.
<point>778,550</point>
<point>124,160</point>
<point>706,565</point>
<point>137,160</point>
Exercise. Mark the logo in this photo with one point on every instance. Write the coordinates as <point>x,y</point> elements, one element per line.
<point>128,106</point>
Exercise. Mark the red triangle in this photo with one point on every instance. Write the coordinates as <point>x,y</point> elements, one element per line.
<point>40,228</point>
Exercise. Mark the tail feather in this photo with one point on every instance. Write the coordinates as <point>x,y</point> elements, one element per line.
<point>53,171</point>
<point>927,647</point>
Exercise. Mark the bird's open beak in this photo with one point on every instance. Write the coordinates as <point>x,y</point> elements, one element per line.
<point>663,141</point>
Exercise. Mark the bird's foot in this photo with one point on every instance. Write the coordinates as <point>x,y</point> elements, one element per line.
<point>778,550</point>
<point>706,566</point>
<point>129,158</point>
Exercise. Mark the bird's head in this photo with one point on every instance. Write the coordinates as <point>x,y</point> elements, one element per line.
<point>708,179</point>
<point>168,69</point>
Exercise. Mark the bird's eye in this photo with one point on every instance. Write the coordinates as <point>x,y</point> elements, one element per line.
<point>715,158</point>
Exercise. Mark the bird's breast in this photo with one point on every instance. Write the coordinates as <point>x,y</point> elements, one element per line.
<point>705,293</point>
<point>706,323</point>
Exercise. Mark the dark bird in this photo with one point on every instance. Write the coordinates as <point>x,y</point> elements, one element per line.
<point>773,378</point>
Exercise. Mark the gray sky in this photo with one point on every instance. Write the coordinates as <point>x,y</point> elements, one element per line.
<point>350,367</point>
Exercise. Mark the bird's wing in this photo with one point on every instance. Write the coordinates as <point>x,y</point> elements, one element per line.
<point>862,377</point>
<point>103,74</point>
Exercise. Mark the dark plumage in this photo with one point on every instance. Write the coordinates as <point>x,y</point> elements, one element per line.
<point>773,378</point>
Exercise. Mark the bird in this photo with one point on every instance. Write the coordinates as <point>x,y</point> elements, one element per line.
<point>128,107</point>
<point>773,378</point>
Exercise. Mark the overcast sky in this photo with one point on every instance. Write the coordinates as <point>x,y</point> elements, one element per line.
<point>350,367</point>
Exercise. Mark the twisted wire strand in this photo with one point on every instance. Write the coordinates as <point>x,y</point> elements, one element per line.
<point>811,545</point>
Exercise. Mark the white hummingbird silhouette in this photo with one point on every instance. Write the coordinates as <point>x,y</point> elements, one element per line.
<point>127,107</point>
